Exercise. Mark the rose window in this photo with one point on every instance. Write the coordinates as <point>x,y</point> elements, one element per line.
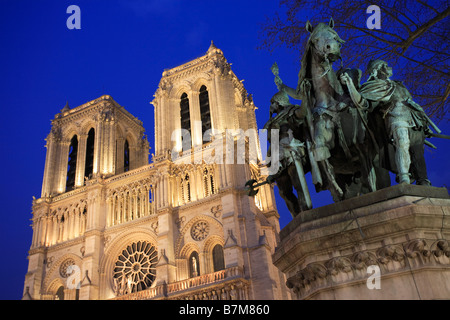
<point>200,230</point>
<point>135,268</point>
<point>65,267</point>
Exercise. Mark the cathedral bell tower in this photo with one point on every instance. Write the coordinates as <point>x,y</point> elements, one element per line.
<point>97,139</point>
<point>206,142</point>
<point>86,146</point>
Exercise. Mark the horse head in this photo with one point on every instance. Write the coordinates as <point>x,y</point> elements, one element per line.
<point>325,40</point>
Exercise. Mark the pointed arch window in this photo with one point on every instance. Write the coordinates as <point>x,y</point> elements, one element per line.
<point>204,109</point>
<point>218,259</point>
<point>184,113</point>
<point>208,182</point>
<point>126,157</point>
<point>89,163</point>
<point>60,293</point>
<point>186,189</point>
<point>72,164</point>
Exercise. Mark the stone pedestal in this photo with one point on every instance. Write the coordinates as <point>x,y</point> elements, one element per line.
<point>390,244</point>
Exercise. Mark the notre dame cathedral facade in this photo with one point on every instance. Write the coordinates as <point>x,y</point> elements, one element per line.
<point>111,225</point>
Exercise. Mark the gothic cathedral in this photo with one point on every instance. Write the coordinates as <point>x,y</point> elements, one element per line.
<point>111,225</point>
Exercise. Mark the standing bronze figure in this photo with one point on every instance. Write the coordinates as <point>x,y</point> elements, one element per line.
<point>405,122</point>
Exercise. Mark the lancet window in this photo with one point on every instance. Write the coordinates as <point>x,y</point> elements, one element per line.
<point>89,164</point>
<point>126,157</point>
<point>204,109</point>
<point>184,113</point>
<point>208,182</point>
<point>218,259</point>
<point>72,164</point>
<point>185,189</point>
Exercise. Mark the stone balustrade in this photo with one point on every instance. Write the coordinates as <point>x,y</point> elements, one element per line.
<point>227,284</point>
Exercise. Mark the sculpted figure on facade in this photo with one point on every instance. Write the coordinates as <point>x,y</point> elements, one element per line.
<point>194,266</point>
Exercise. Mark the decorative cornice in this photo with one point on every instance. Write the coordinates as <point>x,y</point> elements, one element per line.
<point>101,109</point>
<point>390,258</point>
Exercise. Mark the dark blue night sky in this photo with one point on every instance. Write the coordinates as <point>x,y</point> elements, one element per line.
<point>121,50</point>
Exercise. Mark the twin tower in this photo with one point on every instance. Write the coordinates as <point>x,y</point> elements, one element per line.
<point>111,225</point>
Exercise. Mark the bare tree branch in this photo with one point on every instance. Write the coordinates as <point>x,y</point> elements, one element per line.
<point>413,39</point>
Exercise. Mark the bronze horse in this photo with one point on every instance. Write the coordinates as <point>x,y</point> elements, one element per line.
<point>342,150</point>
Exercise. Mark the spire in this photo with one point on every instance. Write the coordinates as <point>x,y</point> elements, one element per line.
<point>66,107</point>
<point>212,46</point>
<point>213,49</point>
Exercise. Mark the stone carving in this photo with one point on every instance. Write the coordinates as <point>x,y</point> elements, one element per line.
<point>64,266</point>
<point>154,226</point>
<point>217,210</point>
<point>363,259</point>
<point>50,261</point>
<point>338,264</point>
<point>442,248</point>
<point>106,241</point>
<point>390,259</point>
<point>180,222</point>
<point>106,114</point>
<point>348,135</point>
<point>56,132</point>
<point>130,202</point>
<point>390,253</point>
<point>200,230</point>
<point>415,248</point>
<point>194,264</point>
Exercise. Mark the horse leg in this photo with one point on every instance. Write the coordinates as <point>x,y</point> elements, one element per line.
<point>293,174</point>
<point>332,185</point>
<point>285,190</point>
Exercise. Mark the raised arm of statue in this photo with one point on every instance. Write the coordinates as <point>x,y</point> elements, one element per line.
<point>292,92</point>
<point>356,97</point>
<point>281,86</point>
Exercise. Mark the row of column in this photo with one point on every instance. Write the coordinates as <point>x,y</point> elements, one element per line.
<point>194,185</point>
<point>237,291</point>
<point>130,205</point>
<point>58,227</point>
<point>176,190</point>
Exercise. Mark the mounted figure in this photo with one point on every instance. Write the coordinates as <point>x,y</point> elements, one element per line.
<point>349,136</point>
<point>344,165</point>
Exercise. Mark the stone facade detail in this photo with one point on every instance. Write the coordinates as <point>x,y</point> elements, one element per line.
<point>175,228</point>
<point>200,230</point>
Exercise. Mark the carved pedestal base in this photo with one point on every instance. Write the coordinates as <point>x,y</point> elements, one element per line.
<point>390,244</point>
